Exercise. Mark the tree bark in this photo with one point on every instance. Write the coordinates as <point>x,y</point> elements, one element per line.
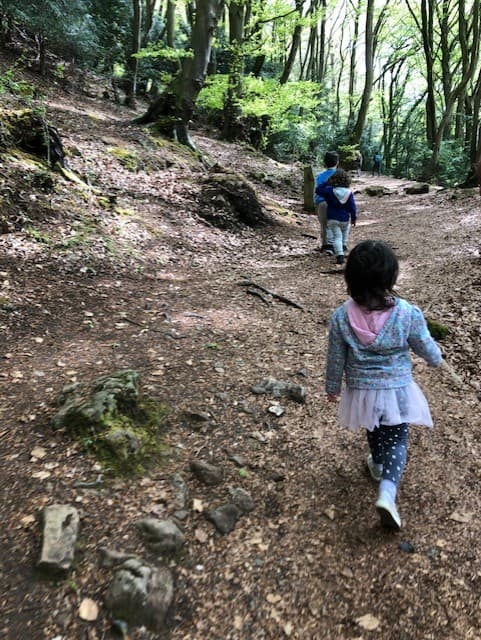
<point>352,63</point>
<point>370,44</point>
<point>232,109</point>
<point>174,108</point>
<point>170,23</point>
<point>296,40</point>
<point>133,62</point>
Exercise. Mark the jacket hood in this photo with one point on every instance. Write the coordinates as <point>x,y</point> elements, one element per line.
<point>342,194</point>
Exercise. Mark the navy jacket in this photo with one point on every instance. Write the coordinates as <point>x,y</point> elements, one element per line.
<point>340,202</point>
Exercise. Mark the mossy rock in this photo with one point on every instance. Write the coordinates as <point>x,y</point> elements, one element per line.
<point>417,189</point>
<point>111,420</point>
<point>377,191</point>
<point>228,201</point>
<point>437,330</point>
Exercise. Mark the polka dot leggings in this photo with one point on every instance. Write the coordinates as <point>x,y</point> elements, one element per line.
<point>389,447</point>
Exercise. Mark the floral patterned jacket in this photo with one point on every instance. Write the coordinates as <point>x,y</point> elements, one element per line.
<point>386,362</point>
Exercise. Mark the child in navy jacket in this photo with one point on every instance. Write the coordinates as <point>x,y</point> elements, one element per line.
<point>341,210</point>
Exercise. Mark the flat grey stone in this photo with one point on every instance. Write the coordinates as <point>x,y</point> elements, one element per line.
<point>224,517</point>
<point>206,472</point>
<point>60,530</point>
<point>161,535</point>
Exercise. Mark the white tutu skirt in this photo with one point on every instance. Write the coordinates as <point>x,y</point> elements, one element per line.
<point>369,408</point>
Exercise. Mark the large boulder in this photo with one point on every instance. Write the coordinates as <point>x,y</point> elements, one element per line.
<point>228,201</point>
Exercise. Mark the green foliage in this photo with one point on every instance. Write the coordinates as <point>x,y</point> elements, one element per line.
<point>159,50</point>
<point>291,111</point>
<point>38,236</point>
<point>11,82</point>
<point>66,25</point>
<point>453,160</point>
<point>347,155</point>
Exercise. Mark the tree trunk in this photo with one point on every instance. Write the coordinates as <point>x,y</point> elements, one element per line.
<point>170,23</point>
<point>174,108</point>
<point>42,55</point>
<point>470,55</point>
<point>308,189</point>
<point>148,20</point>
<point>133,62</point>
<point>232,108</point>
<point>296,41</point>
<point>352,63</point>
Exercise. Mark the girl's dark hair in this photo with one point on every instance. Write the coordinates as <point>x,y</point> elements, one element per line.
<point>371,273</point>
<point>340,179</point>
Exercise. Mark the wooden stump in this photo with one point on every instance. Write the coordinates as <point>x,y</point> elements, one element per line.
<point>309,189</point>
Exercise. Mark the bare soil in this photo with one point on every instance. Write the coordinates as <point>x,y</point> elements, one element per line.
<point>87,288</point>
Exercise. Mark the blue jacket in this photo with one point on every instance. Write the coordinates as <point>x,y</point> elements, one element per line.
<point>322,178</point>
<point>340,203</point>
<point>385,363</point>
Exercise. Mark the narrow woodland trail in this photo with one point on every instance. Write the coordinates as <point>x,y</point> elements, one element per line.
<point>311,561</point>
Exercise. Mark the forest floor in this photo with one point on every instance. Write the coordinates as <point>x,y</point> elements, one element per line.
<point>146,284</point>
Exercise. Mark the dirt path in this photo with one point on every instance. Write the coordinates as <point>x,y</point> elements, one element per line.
<point>310,562</point>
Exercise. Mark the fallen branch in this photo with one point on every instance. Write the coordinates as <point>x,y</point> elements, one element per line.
<point>277,296</point>
<point>253,292</point>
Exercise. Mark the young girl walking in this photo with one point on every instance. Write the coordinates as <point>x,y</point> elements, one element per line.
<point>370,336</point>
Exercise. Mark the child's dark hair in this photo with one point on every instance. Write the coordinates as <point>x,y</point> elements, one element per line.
<point>371,273</point>
<point>340,179</point>
<point>331,158</point>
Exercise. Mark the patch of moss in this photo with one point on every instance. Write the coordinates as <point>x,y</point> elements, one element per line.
<point>130,444</point>
<point>437,330</point>
<point>124,212</point>
<point>127,158</point>
<point>38,236</point>
<point>82,235</point>
<point>6,304</point>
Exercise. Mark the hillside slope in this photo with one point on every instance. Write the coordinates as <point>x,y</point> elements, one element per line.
<point>132,277</point>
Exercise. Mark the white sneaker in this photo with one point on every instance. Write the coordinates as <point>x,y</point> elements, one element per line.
<point>374,469</point>
<point>388,513</point>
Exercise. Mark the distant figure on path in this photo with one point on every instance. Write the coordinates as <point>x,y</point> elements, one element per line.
<point>341,210</point>
<point>370,336</point>
<point>376,163</point>
<point>358,163</point>
<point>331,160</point>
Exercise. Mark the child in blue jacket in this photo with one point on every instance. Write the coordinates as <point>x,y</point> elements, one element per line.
<point>331,160</point>
<point>341,210</point>
<point>370,337</point>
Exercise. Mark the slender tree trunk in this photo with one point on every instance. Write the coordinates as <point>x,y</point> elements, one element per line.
<point>170,23</point>
<point>322,43</point>
<point>133,62</point>
<point>352,63</point>
<point>232,109</point>
<point>296,41</point>
<point>42,55</point>
<point>470,56</point>
<point>148,20</point>
<point>368,80</point>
